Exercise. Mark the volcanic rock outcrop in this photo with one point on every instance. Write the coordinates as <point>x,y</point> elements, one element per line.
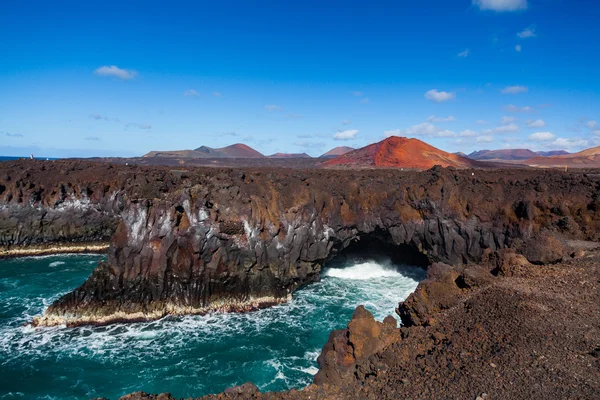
<point>401,152</point>
<point>233,240</point>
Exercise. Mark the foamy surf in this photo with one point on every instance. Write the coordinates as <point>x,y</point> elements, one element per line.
<point>276,348</point>
<point>364,271</point>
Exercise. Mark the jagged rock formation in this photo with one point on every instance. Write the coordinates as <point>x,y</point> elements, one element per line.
<point>234,240</point>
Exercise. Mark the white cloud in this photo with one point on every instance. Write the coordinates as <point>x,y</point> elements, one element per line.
<point>513,108</point>
<point>566,144</point>
<point>464,54</point>
<point>484,139</point>
<point>346,122</point>
<point>508,120</point>
<point>346,135</point>
<point>468,133</point>
<point>116,72</point>
<point>538,123</point>
<point>591,124</point>
<point>217,94</point>
<point>501,5</point>
<point>542,136</point>
<point>273,107</point>
<point>445,133</point>
<point>433,118</point>
<point>528,32</point>
<point>191,92</point>
<point>365,100</point>
<point>596,132</point>
<point>439,96</point>
<point>514,89</point>
<point>518,48</point>
<point>424,129</point>
<point>510,128</point>
<point>481,122</point>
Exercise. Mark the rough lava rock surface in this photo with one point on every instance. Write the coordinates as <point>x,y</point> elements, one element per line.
<point>211,239</point>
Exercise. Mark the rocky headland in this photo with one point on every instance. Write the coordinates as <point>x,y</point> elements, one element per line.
<point>511,263</point>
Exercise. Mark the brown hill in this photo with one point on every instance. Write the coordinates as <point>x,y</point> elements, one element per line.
<point>337,151</point>
<point>237,150</point>
<point>589,158</point>
<point>401,152</point>
<point>289,155</point>
<point>511,154</point>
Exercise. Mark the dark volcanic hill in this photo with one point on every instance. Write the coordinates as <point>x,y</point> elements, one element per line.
<point>237,150</point>
<point>337,151</point>
<point>589,158</point>
<point>401,152</point>
<point>289,155</point>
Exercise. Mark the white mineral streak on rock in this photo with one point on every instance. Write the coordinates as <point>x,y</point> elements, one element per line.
<point>203,215</point>
<point>135,218</point>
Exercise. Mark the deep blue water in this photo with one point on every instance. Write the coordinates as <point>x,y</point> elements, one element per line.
<point>275,348</point>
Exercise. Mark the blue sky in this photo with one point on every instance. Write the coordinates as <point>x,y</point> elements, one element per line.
<point>124,78</point>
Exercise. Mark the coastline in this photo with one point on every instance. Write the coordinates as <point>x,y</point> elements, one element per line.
<point>52,249</point>
<point>252,304</point>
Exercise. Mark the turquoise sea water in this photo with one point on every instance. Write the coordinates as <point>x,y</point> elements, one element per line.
<point>275,348</point>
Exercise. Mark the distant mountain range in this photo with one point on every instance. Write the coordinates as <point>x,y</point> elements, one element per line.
<point>238,150</point>
<point>511,154</point>
<point>589,158</point>
<point>401,152</point>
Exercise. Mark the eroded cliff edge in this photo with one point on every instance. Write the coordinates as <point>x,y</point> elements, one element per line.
<point>234,240</point>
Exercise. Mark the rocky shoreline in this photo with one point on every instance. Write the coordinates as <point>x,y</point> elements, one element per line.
<point>218,239</point>
<point>59,248</point>
<point>233,240</point>
<point>505,329</point>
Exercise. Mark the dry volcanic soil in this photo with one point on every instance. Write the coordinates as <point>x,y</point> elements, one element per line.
<point>509,309</point>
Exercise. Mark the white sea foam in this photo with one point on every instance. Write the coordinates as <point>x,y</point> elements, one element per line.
<point>279,345</point>
<point>56,263</point>
<point>364,271</point>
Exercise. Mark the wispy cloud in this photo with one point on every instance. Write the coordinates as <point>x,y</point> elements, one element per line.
<point>484,139</point>
<point>346,135</point>
<point>501,5</point>
<point>115,72</point>
<point>293,116</point>
<point>191,92</point>
<point>98,116</point>
<point>424,129</point>
<point>518,48</point>
<point>468,133</point>
<point>464,54</point>
<point>439,96</point>
<point>357,94</point>
<point>542,136</point>
<point>513,108</point>
<point>365,100</point>
<point>528,32</point>
<point>217,94</point>
<point>15,135</point>
<point>346,122</point>
<point>433,118</point>
<point>514,89</point>
<point>591,124</point>
<point>273,108</point>
<point>507,120</point>
<point>509,128</point>
<point>481,122</point>
<point>138,126</point>
<point>538,123</point>
<point>93,138</point>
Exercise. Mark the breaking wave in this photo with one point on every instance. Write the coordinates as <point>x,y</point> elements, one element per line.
<point>276,348</point>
